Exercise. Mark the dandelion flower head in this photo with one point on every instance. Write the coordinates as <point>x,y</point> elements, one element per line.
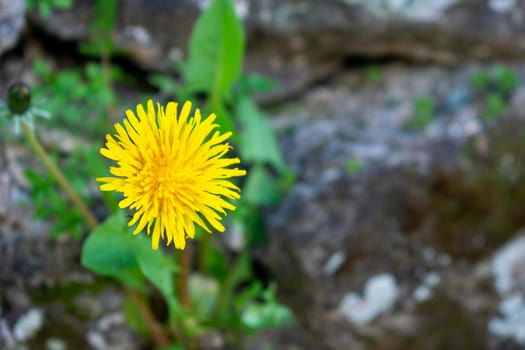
<point>172,170</point>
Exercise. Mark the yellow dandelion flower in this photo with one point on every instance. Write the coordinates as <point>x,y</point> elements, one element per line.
<point>172,171</point>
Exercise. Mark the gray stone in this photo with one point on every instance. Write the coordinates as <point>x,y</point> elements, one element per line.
<point>153,33</point>
<point>303,41</point>
<point>12,21</point>
<point>428,207</point>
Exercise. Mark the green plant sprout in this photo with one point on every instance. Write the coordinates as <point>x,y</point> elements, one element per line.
<point>495,88</point>
<point>423,114</point>
<point>45,7</point>
<point>495,105</point>
<point>373,73</point>
<point>353,166</point>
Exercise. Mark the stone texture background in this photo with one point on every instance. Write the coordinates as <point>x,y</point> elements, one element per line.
<point>419,238</point>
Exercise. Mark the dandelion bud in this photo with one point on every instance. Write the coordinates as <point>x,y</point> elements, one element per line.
<point>18,98</point>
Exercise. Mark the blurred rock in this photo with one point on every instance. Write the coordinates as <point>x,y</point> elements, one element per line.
<point>508,268</point>
<point>12,20</point>
<point>428,207</point>
<point>301,42</point>
<point>28,325</point>
<point>153,33</point>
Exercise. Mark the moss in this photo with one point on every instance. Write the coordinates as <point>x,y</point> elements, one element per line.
<point>439,331</point>
<point>472,209</point>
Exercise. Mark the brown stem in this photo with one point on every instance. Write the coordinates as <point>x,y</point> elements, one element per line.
<point>185,264</point>
<point>157,331</point>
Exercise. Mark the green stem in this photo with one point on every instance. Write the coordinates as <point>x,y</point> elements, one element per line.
<point>226,291</point>
<point>60,178</point>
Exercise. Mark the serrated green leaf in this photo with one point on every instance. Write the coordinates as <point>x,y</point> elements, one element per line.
<point>216,50</point>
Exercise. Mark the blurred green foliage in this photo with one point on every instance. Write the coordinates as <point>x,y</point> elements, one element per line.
<point>495,88</point>
<point>373,73</point>
<point>45,7</point>
<point>101,29</point>
<point>353,166</point>
<point>423,113</point>
<point>77,98</point>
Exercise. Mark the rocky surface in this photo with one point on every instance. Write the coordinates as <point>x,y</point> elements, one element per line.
<point>47,299</point>
<point>301,42</point>
<point>408,206</point>
<point>12,21</point>
<point>379,255</point>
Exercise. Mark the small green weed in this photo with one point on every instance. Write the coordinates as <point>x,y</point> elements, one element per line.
<point>423,114</point>
<point>45,7</point>
<point>373,73</point>
<point>353,166</point>
<point>495,88</point>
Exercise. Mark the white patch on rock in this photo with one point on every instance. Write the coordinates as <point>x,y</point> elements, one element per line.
<point>424,291</point>
<point>138,34</point>
<point>508,268</point>
<point>333,263</point>
<point>416,10</point>
<point>467,124</point>
<point>28,325</point>
<point>203,4</point>
<point>511,324</point>
<point>432,279</point>
<point>6,337</point>
<point>502,6</point>
<point>97,340</point>
<point>242,8</point>
<point>380,294</point>
<point>506,265</point>
<point>55,344</point>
